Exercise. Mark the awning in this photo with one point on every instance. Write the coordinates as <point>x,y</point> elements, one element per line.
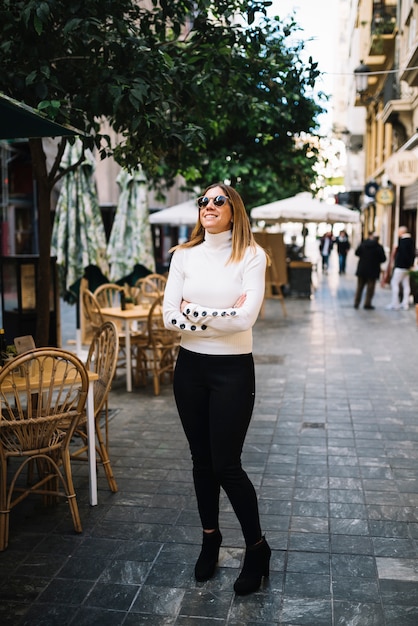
<point>19,121</point>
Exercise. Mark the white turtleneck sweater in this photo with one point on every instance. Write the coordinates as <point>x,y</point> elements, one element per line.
<point>202,276</point>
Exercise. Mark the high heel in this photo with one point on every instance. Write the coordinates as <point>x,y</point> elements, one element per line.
<point>256,565</point>
<point>208,557</point>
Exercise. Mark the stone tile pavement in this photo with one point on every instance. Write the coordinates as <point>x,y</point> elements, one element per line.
<point>332,450</point>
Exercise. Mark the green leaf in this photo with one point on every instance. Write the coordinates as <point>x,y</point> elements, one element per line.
<point>38,24</point>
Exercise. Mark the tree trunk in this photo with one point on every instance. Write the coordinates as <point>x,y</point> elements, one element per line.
<point>44,221</point>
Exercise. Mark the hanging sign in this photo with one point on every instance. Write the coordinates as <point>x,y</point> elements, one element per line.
<point>402,168</point>
<point>385,195</point>
<point>371,189</point>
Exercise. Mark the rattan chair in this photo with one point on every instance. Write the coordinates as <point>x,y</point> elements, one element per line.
<point>102,359</point>
<point>163,345</point>
<point>109,294</point>
<point>148,288</point>
<point>42,398</point>
<point>91,309</point>
<point>139,339</point>
<point>159,281</point>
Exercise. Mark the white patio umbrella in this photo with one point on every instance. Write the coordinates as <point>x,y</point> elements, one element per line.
<point>338,213</point>
<point>185,213</point>
<point>304,208</point>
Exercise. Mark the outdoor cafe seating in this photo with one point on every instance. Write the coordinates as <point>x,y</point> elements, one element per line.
<point>163,345</point>
<point>156,357</point>
<point>102,359</point>
<point>43,394</point>
<point>148,288</point>
<point>109,294</point>
<point>153,349</point>
<point>92,310</point>
<point>132,340</point>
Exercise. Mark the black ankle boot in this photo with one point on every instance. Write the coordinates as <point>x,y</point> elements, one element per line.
<point>208,557</point>
<point>256,565</point>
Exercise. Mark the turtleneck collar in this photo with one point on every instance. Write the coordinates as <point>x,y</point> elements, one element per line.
<point>218,239</point>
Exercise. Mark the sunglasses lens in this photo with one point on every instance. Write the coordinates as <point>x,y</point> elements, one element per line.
<point>201,202</point>
<point>220,200</point>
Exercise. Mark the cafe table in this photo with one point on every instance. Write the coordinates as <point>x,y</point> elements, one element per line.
<point>138,313</point>
<point>91,432</point>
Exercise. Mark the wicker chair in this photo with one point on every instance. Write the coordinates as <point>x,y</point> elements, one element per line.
<point>109,294</point>
<point>149,287</point>
<point>163,345</point>
<point>102,359</point>
<point>42,398</point>
<point>139,339</point>
<point>91,309</point>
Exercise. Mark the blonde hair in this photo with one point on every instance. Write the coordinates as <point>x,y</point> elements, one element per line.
<point>242,235</point>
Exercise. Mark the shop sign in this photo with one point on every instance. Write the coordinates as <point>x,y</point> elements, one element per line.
<point>402,168</point>
<point>385,195</point>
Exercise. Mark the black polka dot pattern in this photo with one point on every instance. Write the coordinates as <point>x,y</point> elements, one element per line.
<point>194,315</point>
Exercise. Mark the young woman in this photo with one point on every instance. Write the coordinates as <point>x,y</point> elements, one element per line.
<point>213,296</point>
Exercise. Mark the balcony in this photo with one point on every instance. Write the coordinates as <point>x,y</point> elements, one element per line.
<point>410,73</point>
<point>383,31</point>
<point>383,24</point>
<point>397,107</point>
<point>382,37</point>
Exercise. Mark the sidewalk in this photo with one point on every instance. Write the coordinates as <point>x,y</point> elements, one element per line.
<point>332,450</point>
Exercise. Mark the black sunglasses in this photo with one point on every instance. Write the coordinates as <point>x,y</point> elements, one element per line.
<point>218,201</point>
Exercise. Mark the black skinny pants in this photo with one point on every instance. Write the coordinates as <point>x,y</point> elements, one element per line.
<point>215,399</point>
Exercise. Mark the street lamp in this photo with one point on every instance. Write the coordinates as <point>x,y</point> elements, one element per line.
<point>361,77</point>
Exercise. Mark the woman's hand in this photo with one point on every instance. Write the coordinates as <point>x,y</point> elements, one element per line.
<point>183,305</point>
<point>240,301</point>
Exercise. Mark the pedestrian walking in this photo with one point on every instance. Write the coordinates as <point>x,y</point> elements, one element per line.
<point>371,254</point>
<point>403,260</point>
<point>343,246</point>
<point>214,293</point>
<point>325,246</point>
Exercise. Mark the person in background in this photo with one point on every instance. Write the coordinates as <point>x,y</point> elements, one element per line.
<point>214,293</point>
<point>325,246</point>
<point>403,259</point>
<point>371,254</point>
<point>293,251</point>
<point>343,246</point>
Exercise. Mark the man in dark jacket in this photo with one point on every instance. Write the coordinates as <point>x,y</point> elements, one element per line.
<point>403,261</point>
<point>371,254</point>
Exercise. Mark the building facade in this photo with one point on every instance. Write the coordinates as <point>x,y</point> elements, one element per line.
<point>378,111</point>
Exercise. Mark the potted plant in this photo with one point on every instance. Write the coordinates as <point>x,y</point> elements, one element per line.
<point>8,353</point>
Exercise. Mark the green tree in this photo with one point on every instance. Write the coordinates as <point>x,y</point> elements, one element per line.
<point>255,108</point>
<point>195,87</point>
